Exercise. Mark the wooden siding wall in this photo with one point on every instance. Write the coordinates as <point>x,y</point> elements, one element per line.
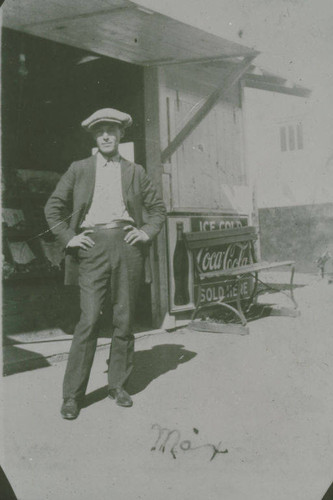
<point>212,156</point>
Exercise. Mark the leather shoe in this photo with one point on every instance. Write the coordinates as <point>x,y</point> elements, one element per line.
<point>121,397</point>
<point>70,409</point>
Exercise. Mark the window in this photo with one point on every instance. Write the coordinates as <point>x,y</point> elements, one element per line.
<point>291,137</point>
<point>299,130</point>
<point>283,139</point>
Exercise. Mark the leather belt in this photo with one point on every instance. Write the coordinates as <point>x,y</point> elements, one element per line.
<point>112,225</point>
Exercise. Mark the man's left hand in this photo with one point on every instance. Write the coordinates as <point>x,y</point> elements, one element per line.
<point>135,235</point>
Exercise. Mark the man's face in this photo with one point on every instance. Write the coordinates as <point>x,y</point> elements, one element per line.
<point>107,137</point>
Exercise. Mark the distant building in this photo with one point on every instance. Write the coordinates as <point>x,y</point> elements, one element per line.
<point>290,156</point>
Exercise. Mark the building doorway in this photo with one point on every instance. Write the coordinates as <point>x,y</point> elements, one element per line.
<point>48,89</point>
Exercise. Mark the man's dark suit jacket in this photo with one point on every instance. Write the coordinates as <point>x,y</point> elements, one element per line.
<point>69,203</point>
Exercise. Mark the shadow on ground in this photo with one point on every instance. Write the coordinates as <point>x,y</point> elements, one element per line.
<point>223,316</point>
<point>16,360</point>
<point>148,365</point>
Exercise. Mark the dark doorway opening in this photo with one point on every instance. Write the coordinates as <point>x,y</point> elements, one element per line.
<point>47,90</point>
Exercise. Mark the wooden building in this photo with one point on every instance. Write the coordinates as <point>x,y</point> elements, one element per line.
<point>183,86</point>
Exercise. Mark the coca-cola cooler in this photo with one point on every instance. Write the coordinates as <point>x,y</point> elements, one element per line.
<point>182,286</point>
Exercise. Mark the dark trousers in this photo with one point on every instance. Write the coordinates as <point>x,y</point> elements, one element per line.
<point>112,262</point>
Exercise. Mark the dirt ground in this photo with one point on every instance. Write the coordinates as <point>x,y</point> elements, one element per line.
<point>265,397</point>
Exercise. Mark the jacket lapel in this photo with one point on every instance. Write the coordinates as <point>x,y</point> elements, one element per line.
<point>90,179</point>
<point>127,172</point>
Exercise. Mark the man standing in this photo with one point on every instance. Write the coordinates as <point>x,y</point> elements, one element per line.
<point>104,211</point>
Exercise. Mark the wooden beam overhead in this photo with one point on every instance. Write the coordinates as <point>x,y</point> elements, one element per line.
<point>64,19</point>
<point>271,86</point>
<point>200,60</point>
<point>226,84</point>
<point>121,29</point>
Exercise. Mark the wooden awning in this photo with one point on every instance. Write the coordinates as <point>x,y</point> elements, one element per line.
<point>120,29</point>
<point>260,79</point>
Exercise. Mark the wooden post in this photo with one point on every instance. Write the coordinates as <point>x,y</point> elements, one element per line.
<point>159,287</point>
<point>250,174</point>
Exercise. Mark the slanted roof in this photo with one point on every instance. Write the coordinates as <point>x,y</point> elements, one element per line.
<point>261,79</point>
<point>209,74</point>
<point>118,28</point>
<point>124,30</point>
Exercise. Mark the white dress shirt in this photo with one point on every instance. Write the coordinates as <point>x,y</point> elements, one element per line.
<point>107,203</point>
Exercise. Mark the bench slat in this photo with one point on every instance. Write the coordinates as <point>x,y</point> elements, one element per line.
<point>208,239</point>
<point>251,268</point>
<point>217,241</point>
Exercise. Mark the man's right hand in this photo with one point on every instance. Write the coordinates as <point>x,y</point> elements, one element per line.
<point>81,241</point>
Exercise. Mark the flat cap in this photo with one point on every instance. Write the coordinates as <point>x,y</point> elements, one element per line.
<point>107,115</point>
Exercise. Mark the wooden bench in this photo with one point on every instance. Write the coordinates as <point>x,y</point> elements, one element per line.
<point>230,253</point>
